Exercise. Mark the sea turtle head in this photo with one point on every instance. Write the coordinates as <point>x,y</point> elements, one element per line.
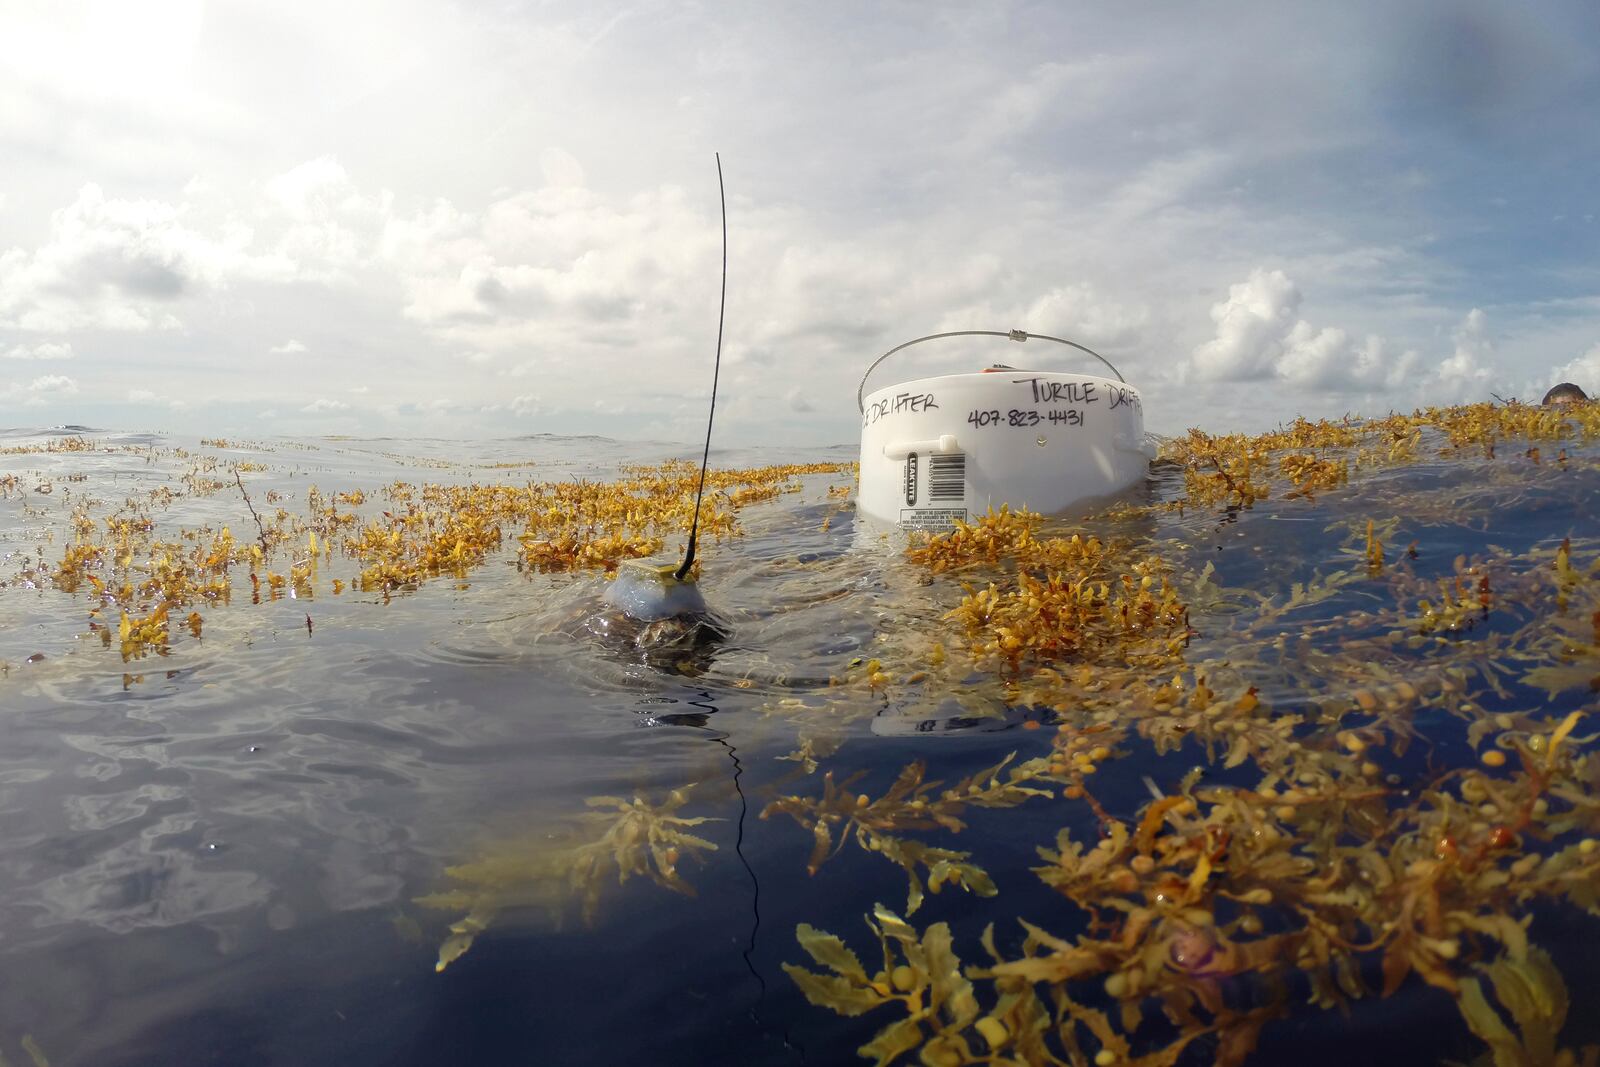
<point>662,620</point>
<point>1564,394</point>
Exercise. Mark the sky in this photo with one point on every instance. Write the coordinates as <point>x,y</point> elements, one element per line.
<point>419,219</point>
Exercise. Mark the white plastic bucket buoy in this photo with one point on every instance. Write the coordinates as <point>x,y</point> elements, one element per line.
<point>935,450</point>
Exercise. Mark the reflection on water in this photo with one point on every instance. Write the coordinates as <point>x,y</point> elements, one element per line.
<point>249,847</point>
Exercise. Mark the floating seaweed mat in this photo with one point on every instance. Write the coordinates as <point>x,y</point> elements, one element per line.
<point>1378,642</point>
<point>1388,716</point>
<point>147,584</point>
<point>1329,866</point>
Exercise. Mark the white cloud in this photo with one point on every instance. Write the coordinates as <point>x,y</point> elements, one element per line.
<point>1259,335</point>
<point>1083,314</point>
<point>798,402</point>
<point>1077,311</point>
<point>554,263</point>
<point>1462,377</point>
<point>111,263</point>
<point>1031,96</point>
<point>311,191</point>
<point>1313,356</point>
<point>45,351</point>
<point>1327,359</point>
<point>148,397</point>
<point>288,348</point>
<point>561,168</point>
<point>1582,371</point>
<point>58,384</point>
<point>116,264</point>
<point>324,406</point>
<point>522,406</point>
<point>1252,325</point>
<point>986,182</point>
<point>40,391</point>
<point>333,228</point>
<point>1165,182</point>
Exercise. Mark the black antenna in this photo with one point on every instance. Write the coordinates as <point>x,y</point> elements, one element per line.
<point>694,528</point>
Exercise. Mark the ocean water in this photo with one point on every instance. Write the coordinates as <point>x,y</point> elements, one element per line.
<point>239,847</point>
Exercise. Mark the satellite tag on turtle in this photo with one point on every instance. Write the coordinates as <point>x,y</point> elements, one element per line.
<point>648,590</point>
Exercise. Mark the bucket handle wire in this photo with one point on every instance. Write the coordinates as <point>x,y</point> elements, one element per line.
<point>1014,335</point>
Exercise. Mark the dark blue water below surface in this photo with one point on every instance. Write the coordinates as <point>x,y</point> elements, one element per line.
<point>215,854</point>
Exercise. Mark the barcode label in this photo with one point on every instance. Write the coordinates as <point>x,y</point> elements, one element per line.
<point>947,476</point>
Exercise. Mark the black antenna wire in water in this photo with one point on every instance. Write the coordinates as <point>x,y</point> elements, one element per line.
<point>755,910</point>
<point>703,701</point>
<point>722,306</point>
